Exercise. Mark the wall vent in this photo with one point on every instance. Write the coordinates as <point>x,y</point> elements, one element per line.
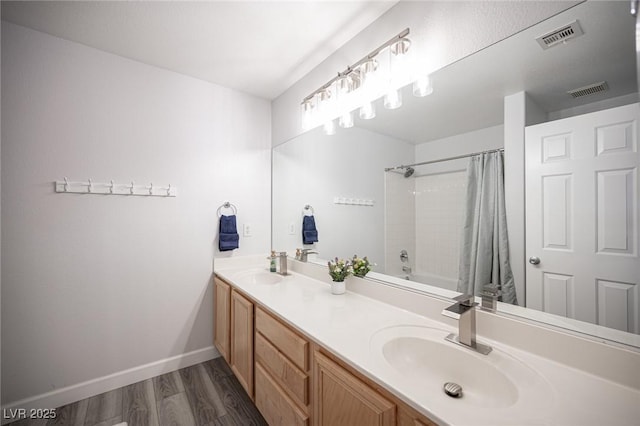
<point>589,90</point>
<point>560,35</point>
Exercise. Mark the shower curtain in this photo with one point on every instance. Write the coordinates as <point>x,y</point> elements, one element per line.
<point>484,254</point>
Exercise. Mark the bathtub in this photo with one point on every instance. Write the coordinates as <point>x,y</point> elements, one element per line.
<point>431,279</point>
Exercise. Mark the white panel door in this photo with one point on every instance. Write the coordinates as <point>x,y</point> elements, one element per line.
<point>582,195</point>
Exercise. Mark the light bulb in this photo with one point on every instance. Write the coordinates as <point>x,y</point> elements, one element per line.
<point>325,104</point>
<point>367,111</point>
<point>307,113</point>
<point>393,99</point>
<point>399,63</point>
<point>368,70</point>
<point>346,120</point>
<point>330,128</point>
<point>372,80</point>
<point>422,86</point>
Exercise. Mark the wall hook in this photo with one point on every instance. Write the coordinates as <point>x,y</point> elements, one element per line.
<point>109,187</point>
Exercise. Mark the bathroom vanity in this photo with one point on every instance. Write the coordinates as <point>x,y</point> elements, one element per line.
<point>378,355</point>
<point>290,377</point>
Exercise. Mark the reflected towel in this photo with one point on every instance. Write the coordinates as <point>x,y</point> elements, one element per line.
<point>228,238</point>
<point>309,231</point>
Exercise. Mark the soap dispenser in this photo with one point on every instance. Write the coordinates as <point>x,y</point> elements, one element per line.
<point>272,265</point>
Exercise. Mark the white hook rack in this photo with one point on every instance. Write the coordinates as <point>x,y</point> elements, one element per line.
<point>111,188</point>
<point>354,201</point>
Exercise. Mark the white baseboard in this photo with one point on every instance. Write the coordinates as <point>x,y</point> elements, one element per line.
<point>73,393</point>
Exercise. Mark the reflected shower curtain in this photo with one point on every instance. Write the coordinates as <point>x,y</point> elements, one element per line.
<point>484,254</point>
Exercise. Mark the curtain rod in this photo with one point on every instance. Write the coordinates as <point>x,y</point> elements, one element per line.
<point>443,159</point>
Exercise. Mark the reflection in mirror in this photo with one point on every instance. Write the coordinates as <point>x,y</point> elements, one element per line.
<point>409,221</point>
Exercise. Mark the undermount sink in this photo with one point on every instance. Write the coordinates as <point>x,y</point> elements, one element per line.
<point>422,356</point>
<point>258,276</point>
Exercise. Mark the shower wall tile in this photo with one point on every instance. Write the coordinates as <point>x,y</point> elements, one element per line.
<point>399,221</point>
<point>439,215</point>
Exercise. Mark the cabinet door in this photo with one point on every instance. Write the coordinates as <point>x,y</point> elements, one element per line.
<point>242,340</point>
<point>340,399</point>
<point>408,417</point>
<point>221,336</point>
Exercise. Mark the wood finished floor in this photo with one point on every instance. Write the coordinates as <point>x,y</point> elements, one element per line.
<point>203,394</point>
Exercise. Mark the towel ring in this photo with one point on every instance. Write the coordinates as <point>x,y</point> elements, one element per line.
<point>308,209</point>
<point>227,205</point>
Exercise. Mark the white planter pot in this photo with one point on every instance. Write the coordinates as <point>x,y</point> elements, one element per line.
<point>337,287</point>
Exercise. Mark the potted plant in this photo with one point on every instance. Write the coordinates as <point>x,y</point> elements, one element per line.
<point>360,266</point>
<point>339,270</point>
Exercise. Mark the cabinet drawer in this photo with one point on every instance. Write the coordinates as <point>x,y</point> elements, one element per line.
<point>285,340</point>
<point>285,373</point>
<point>275,406</point>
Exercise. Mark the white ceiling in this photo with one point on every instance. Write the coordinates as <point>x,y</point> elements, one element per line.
<point>259,47</point>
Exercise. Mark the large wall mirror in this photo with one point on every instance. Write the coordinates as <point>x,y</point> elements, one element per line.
<point>409,220</point>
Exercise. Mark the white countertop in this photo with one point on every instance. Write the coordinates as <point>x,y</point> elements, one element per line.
<point>348,324</point>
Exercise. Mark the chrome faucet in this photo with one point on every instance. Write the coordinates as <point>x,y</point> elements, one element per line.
<point>490,294</point>
<point>304,253</point>
<point>465,312</point>
<point>283,263</point>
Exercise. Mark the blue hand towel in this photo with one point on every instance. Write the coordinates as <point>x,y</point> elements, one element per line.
<point>309,231</point>
<point>228,237</point>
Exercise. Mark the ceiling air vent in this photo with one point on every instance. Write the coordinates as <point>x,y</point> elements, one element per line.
<point>560,35</point>
<point>589,90</point>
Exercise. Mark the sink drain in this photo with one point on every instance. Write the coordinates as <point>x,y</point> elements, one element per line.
<point>454,390</point>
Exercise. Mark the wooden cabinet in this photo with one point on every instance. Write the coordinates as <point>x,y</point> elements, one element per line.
<point>408,417</point>
<point>221,331</point>
<point>282,376</point>
<point>273,363</point>
<point>341,399</point>
<point>286,340</point>
<point>276,408</point>
<point>242,340</point>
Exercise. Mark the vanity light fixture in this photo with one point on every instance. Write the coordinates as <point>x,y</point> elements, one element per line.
<point>345,85</point>
<point>398,70</point>
<point>393,99</point>
<point>330,128</point>
<point>422,86</point>
<point>307,113</point>
<point>367,111</point>
<point>359,85</point>
<point>346,120</point>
